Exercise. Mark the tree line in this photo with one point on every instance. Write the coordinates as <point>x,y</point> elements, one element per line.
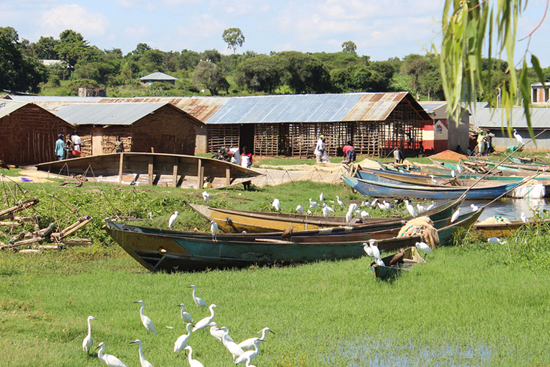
<point>212,73</point>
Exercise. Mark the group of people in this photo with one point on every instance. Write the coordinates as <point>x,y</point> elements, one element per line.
<point>69,148</point>
<point>321,154</point>
<point>234,156</point>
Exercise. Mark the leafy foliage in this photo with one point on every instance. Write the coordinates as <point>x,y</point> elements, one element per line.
<point>234,38</point>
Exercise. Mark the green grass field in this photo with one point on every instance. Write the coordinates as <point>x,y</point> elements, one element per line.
<point>473,304</point>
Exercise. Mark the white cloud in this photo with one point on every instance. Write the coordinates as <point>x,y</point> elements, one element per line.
<point>74,17</point>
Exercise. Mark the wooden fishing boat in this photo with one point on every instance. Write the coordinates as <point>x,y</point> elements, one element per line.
<point>153,169</point>
<point>167,250</point>
<point>488,230</point>
<point>396,263</point>
<point>238,221</point>
<point>403,191</point>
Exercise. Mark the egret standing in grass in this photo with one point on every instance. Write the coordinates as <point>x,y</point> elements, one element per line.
<point>321,197</point>
<point>150,215</point>
<point>202,324</point>
<point>349,216</point>
<point>455,215</point>
<point>300,209</point>
<point>340,202</point>
<point>424,247</point>
<point>248,344</point>
<point>108,359</point>
<point>518,137</point>
<point>192,362</point>
<point>185,315</point>
<point>198,301</point>
<point>146,321</point>
<point>410,209</point>
<point>524,217</point>
<point>249,354</point>
<point>276,204</point>
<point>182,341</point>
<point>142,360</point>
<point>496,240</point>
<point>232,347</point>
<point>88,340</point>
<point>313,204</point>
<point>364,214</point>
<point>214,229</point>
<point>206,196</point>
<point>172,219</point>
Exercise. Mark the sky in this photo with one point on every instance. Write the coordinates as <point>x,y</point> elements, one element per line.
<point>380,28</point>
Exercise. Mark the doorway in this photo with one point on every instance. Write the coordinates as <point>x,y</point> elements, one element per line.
<point>247,137</point>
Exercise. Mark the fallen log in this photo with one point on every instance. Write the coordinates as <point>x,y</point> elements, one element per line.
<point>10,224</point>
<point>17,208</point>
<point>81,222</point>
<point>77,242</point>
<point>28,251</point>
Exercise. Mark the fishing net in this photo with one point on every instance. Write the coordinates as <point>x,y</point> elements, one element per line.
<point>495,219</point>
<point>421,226</point>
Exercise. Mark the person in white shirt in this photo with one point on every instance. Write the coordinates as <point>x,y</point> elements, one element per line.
<point>320,152</point>
<point>77,141</point>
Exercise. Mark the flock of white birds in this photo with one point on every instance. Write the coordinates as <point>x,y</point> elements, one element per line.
<point>243,352</point>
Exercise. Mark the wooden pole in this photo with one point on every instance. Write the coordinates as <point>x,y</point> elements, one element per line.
<point>200,174</point>
<point>175,173</point>
<point>120,164</point>
<point>150,170</point>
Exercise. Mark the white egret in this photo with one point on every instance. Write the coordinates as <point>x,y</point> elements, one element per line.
<point>453,173</point>
<point>455,215</point>
<point>496,240</point>
<point>321,197</point>
<point>349,217</point>
<point>326,212</point>
<point>364,214</point>
<point>182,341</point>
<point>313,204</point>
<point>352,207</point>
<point>276,204</point>
<point>384,206</point>
<point>365,203</point>
<point>434,180</point>
<point>524,217</point>
<point>329,208</point>
<point>215,331</point>
<point>340,202</point>
<point>248,344</point>
<point>474,207</point>
<point>431,206</point>
<point>198,301</point>
<point>411,209</point>
<point>142,360</point>
<point>108,359</point>
<point>192,362</point>
<point>368,249</point>
<point>172,219</point>
<point>206,196</point>
<point>300,209</point>
<point>202,324</point>
<point>459,167</point>
<point>232,347</point>
<point>374,202</point>
<point>147,323</point>
<point>185,316</point>
<point>518,137</point>
<point>150,215</point>
<point>214,229</point>
<point>420,208</point>
<point>424,247</point>
<point>249,354</point>
<point>88,340</point>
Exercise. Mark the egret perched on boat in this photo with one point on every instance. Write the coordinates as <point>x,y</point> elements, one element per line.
<point>496,240</point>
<point>349,216</point>
<point>214,229</point>
<point>192,362</point>
<point>300,209</point>
<point>352,207</point>
<point>183,339</point>
<point>232,347</point>
<point>373,251</point>
<point>453,173</point>
<point>455,215</point>
<point>276,204</point>
<point>321,197</point>
<point>524,217</point>
<point>185,315</point>
<point>142,360</point>
<point>248,344</point>
<point>206,196</point>
<point>364,214</point>
<point>172,219</point>
<point>146,321</point>
<point>198,301</point>
<point>411,209</point>
<point>202,324</point>
<point>424,247</point>
<point>459,167</point>
<point>518,137</point>
<point>475,208</point>
<point>434,180</point>
<point>249,354</point>
<point>89,339</point>
<point>340,202</point>
<point>108,359</point>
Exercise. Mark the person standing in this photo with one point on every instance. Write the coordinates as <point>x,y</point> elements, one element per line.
<point>69,146</point>
<point>320,150</point>
<point>77,144</point>
<point>60,147</point>
<point>119,148</point>
<point>349,151</point>
<point>246,158</point>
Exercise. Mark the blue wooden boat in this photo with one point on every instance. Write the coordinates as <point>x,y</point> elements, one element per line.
<point>166,250</point>
<point>402,191</point>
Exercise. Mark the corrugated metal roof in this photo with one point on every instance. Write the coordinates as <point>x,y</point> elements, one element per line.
<point>431,106</point>
<point>107,114</point>
<point>7,107</point>
<point>487,118</point>
<point>158,76</point>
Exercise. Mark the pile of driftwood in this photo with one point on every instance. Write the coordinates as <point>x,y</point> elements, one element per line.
<point>32,241</point>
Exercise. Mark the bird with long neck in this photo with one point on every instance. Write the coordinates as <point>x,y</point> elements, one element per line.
<point>182,341</point>
<point>198,301</point>
<point>89,339</point>
<point>108,359</point>
<point>192,362</point>
<point>146,321</point>
<point>202,324</point>
<point>142,360</point>
<point>248,344</point>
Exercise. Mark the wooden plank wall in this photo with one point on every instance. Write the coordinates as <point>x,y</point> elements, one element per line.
<point>223,135</point>
<point>266,139</point>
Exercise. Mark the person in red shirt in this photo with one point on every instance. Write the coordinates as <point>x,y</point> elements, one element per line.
<point>349,151</point>
<point>246,158</point>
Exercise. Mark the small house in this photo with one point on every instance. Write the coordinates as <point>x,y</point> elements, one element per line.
<point>443,132</point>
<point>157,77</point>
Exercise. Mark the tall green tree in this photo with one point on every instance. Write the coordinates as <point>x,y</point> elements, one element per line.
<point>303,73</point>
<point>234,38</point>
<point>210,76</point>
<point>258,74</point>
<point>349,47</point>
<point>71,47</point>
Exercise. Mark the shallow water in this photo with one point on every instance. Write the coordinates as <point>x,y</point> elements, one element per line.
<point>508,208</point>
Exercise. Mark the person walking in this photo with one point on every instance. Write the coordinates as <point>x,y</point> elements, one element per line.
<point>349,151</point>
<point>60,147</point>
<point>246,158</point>
<point>320,151</point>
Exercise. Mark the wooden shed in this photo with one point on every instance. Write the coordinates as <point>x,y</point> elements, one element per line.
<point>143,127</point>
<point>28,133</point>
